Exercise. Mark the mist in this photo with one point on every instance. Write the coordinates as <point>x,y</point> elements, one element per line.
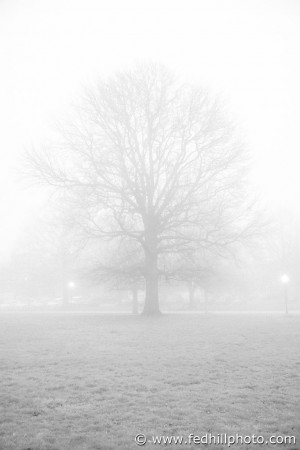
<point>150,223</point>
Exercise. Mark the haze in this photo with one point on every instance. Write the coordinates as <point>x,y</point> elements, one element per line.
<point>247,51</point>
<point>149,269</point>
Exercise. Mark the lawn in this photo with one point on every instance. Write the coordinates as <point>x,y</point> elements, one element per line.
<point>84,381</point>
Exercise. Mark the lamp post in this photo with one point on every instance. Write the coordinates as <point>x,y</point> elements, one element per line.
<point>285,281</point>
<point>71,286</point>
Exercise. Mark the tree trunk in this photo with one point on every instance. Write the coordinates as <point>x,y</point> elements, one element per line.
<point>135,304</point>
<point>151,306</point>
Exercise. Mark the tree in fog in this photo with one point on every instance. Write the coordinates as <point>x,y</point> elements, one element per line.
<point>148,160</point>
<point>195,271</point>
<point>45,257</point>
<point>120,269</point>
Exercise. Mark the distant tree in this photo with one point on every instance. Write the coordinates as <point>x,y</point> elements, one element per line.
<point>65,243</point>
<point>196,271</point>
<point>151,161</point>
<point>45,256</point>
<point>121,269</point>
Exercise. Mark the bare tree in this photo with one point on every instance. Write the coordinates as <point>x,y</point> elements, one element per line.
<point>150,160</point>
<point>121,268</point>
<point>47,253</point>
<point>196,271</point>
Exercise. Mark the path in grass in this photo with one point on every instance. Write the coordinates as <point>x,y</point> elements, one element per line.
<point>93,382</point>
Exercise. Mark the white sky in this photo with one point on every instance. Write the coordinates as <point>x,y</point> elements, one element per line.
<point>245,49</point>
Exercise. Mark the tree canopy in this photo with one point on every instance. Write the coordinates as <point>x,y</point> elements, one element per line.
<point>150,161</point>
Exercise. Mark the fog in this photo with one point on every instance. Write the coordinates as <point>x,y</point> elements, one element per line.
<point>149,159</point>
<point>245,53</point>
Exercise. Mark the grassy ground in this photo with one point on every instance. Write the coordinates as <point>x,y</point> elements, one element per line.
<point>78,381</point>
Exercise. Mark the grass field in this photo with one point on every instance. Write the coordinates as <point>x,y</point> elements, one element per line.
<point>83,381</point>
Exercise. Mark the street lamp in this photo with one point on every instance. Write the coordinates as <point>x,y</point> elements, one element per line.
<point>285,281</point>
<point>71,286</point>
<point>284,278</point>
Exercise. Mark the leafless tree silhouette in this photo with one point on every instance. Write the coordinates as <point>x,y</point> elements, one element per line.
<point>147,159</point>
<point>121,268</point>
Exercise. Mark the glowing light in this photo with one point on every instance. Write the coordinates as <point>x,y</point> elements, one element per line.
<point>284,278</point>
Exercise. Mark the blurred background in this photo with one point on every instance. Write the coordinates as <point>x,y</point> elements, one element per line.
<point>246,52</point>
